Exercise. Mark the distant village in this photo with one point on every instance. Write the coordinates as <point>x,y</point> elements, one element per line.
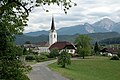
<point>109,50</point>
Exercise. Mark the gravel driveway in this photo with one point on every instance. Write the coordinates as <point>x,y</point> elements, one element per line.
<point>42,72</point>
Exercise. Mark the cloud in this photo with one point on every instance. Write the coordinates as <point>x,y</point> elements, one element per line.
<point>86,11</point>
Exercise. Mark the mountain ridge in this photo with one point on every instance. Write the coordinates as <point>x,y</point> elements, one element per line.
<point>103,25</point>
<point>21,39</point>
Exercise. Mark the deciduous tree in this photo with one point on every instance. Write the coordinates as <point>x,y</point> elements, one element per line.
<point>64,58</point>
<point>83,45</point>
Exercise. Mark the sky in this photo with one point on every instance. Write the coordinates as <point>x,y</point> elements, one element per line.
<point>89,11</point>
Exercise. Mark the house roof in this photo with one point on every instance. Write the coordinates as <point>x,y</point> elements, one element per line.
<point>112,50</point>
<point>62,45</point>
<point>42,44</point>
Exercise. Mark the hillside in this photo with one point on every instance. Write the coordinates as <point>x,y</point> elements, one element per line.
<point>115,40</point>
<point>21,39</point>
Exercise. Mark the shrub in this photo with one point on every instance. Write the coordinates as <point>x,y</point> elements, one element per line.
<point>45,54</point>
<point>35,53</point>
<point>115,58</point>
<point>25,77</point>
<point>118,55</point>
<point>41,58</point>
<point>30,57</point>
<point>54,53</point>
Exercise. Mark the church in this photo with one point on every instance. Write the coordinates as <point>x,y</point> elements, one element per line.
<point>52,43</point>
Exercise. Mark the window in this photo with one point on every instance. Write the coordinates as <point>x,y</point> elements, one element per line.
<point>71,50</point>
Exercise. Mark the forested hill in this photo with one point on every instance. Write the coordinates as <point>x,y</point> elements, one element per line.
<point>108,41</point>
<point>21,39</point>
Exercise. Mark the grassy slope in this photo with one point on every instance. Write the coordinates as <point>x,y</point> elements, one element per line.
<point>90,69</point>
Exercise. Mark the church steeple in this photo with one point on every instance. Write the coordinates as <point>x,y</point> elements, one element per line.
<point>52,33</point>
<point>52,24</point>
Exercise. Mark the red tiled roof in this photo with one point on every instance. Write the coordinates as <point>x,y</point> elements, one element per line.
<point>62,45</point>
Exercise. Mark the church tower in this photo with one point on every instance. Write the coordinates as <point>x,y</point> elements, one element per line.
<point>52,33</point>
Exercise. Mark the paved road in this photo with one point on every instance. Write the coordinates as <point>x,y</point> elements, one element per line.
<point>42,72</point>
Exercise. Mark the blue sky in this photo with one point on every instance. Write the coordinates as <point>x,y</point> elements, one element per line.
<point>86,11</point>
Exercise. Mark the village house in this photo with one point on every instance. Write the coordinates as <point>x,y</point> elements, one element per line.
<point>63,45</point>
<point>52,44</point>
<point>110,51</point>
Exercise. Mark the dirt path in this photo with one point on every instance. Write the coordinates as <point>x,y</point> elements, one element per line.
<point>42,72</point>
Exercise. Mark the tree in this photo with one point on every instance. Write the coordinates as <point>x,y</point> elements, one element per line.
<point>13,18</point>
<point>64,59</point>
<point>11,67</point>
<point>96,48</point>
<point>83,45</point>
<point>54,53</point>
<point>27,42</point>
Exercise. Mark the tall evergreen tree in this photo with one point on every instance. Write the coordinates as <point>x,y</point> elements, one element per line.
<point>96,48</point>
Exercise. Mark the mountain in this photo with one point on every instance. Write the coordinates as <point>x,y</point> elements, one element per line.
<point>116,27</point>
<point>21,39</point>
<point>104,25</point>
<point>72,30</point>
<point>89,28</point>
<point>37,33</point>
<point>101,36</point>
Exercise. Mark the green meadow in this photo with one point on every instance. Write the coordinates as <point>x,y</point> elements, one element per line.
<point>91,68</point>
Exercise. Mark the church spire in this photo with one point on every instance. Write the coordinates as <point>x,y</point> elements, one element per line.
<point>52,25</point>
<point>52,33</point>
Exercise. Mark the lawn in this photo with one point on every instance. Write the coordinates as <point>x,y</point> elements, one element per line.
<point>95,68</point>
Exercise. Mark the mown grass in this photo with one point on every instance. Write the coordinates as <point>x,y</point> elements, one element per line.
<point>95,68</point>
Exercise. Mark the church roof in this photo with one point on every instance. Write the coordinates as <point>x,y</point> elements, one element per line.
<point>52,24</point>
<point>62,45</point>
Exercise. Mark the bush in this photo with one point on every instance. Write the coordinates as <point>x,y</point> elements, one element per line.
<point>115,58</point>
<point>25,77</point>
<point>45,54</point>
<point>41,58</point>
<point>54,53</point>
<point>30,57</point>
<point>118,55</point>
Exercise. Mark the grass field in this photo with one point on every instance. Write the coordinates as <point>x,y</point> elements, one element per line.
<point>92,68</point>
